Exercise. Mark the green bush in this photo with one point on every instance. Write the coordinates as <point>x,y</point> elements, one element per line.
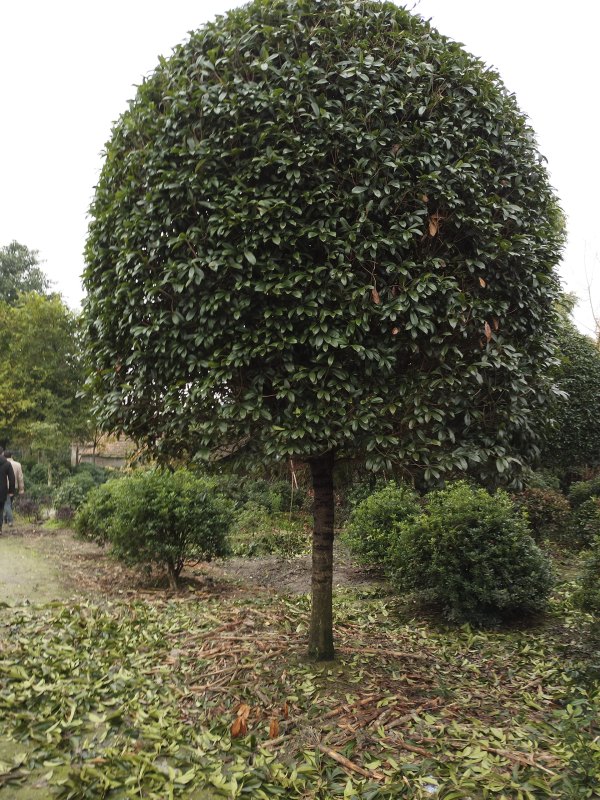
<point>580,491</point>
<point>574,438</point>
<point>361,490</point>
<point>95,516</point>
<point>36,473</point>
<point>586,523</point>
<point>548,513</point>
<point>372,526</point>
<point>73,491</point>
<point>159,517</point>
<point>99,474</point>
<point>38,493</point>
<point>471,552</point>
<point>541,479</point>
<point>588,594</point>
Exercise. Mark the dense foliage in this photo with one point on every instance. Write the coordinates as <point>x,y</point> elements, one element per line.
<point>548,513</point>
<point>323,226</point>
<point>41,376</point>
<point>73,491</point>
<point>273,495</point>
<point>94,517</point>
<point>580,491</point>
<point>372,527</point>
<point>471,553</point>
<point>586,523</point>
<point>158,517</point>
<point>20,272</point>
<point>574,441</point>
<point>588,595</point>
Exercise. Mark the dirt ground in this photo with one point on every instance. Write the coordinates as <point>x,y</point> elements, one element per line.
<point>38,566</point>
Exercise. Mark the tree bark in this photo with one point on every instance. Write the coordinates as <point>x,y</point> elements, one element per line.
<point>320,643</point>
<point>173,575</point>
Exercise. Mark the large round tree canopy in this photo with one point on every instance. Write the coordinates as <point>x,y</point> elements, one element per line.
<point>322,226</point>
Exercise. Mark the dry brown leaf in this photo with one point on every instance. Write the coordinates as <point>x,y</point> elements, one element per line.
<point>274,729</point>
<point>375,296</point>
<point>482,283</point>
<point>433,225</point>
<point>395,148</point>
<point>239,728</point>
<point>243,711</point>
<point>496,324</point>
<point>395,331</point>
<point>488,331</point>
<point>286,711</point>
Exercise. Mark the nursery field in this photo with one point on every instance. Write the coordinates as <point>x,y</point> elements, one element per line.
<point>127,690</point>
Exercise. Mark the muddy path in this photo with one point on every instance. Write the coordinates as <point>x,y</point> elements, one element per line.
<point>38,566</point>
<point>29,571</point>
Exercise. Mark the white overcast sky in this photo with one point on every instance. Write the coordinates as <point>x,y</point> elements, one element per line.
<point>69,67</point>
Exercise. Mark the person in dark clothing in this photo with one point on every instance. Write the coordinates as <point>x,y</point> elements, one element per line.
<point>7,481</point>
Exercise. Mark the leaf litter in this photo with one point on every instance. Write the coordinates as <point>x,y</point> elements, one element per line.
<point>209,694</point>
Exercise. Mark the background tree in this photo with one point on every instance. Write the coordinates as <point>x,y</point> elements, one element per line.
<point>20,272</point>
<point>41,374</point>
<point>572,442</point>
<point>322,230</point>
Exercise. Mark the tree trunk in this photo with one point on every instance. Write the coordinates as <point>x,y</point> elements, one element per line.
<point>320,643</point>
<point>173,575</point>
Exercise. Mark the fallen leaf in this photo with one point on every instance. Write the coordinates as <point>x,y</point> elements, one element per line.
<point>488,331</point>
<point>274,729</point>
<point>239,728</point>
<point>482,283</point>
<point>375,296</point>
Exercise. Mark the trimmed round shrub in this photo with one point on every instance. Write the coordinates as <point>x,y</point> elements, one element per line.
<point>586,523</point>
<point>588,594</point>
<point>372,526</point>
<point>548,513</point>
<point>471,553</point>
<point>316,219</point>
<point>165,518</point>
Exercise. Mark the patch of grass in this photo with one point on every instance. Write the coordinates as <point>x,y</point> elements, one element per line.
<point>54,524</point>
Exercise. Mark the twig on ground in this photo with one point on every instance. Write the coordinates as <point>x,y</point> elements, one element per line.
<point>350,765</point>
